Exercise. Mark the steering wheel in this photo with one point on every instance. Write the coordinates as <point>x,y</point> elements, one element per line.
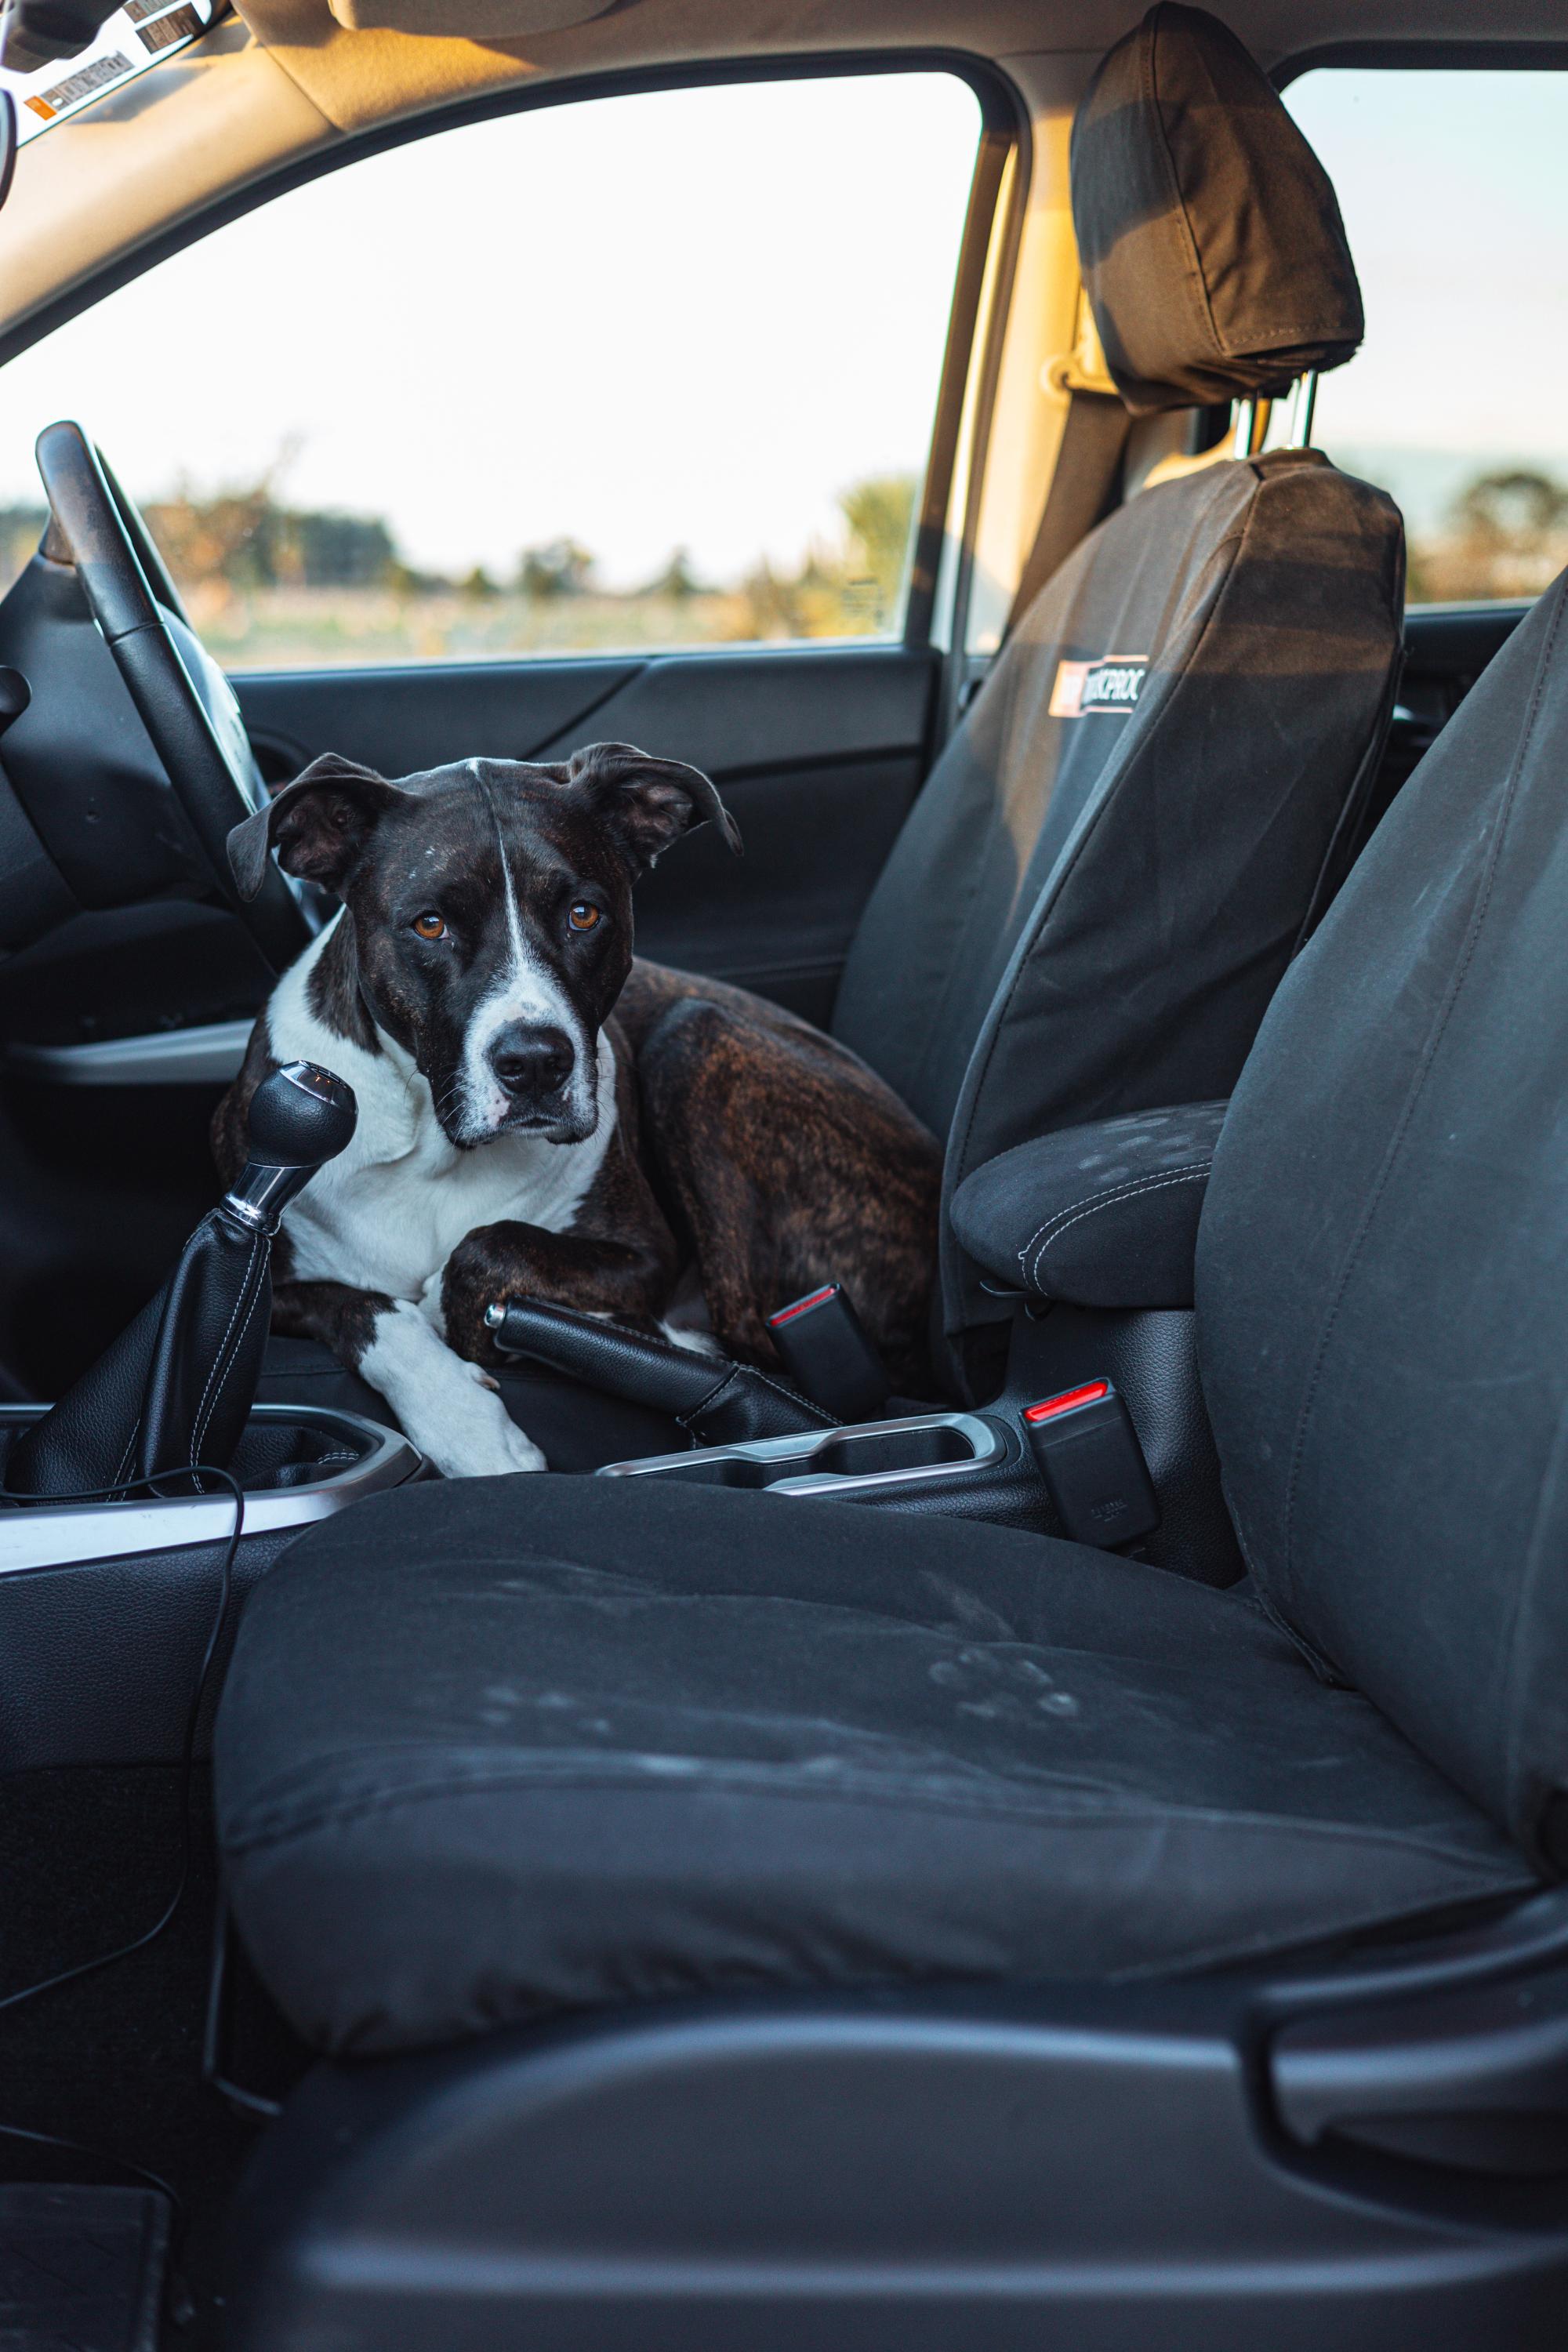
<point>182,697</point>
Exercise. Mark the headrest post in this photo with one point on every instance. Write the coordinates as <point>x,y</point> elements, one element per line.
<point>1304,402</point>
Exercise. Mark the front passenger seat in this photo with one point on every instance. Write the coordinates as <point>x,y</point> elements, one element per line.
<point>809,1810</point>
<point>1136,825</point>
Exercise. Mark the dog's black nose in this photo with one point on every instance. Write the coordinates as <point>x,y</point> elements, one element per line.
<point>530,1063</point>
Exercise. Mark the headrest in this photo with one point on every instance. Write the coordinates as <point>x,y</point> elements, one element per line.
<point>1213,252</point>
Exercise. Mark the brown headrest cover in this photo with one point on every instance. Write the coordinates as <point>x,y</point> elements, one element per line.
<point>1212,248</point>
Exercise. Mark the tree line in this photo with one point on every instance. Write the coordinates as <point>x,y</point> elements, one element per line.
<point>250,539</point>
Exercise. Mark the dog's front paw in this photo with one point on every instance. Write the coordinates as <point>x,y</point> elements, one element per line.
<point>484,1442</point>
<point>490,1455</point>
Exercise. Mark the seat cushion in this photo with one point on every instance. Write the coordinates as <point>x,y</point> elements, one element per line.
<point>495,1749</point>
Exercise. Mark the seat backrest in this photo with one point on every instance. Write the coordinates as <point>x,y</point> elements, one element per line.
<point>1120,847</point>
<point>1383,1277</point>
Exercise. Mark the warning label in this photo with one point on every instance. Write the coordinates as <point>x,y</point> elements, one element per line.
<point>97,75</point>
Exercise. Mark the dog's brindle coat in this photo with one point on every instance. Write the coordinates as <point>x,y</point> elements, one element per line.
<point>540,1116</point>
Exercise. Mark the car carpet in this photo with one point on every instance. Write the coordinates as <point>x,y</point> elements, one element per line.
<point>82,2267</point>
<point>113,2062</point>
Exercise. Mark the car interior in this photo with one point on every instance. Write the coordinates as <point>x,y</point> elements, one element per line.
<point>1072,1857</point>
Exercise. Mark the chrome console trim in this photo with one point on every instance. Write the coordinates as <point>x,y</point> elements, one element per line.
<point>206,1056</point>
<point>987,1439</point>
<point>72,1534</point>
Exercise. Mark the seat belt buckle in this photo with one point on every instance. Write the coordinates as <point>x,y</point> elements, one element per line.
<point>1093,1465</point>
<point>826,1350</point>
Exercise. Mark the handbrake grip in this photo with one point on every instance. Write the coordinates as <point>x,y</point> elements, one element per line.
<point>717,1401</point>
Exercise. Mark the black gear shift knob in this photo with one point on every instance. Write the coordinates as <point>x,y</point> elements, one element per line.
<point>299,1116</point>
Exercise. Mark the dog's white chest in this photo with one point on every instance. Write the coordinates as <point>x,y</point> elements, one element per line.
<point>389,1211</point>
<point>391,1225</point>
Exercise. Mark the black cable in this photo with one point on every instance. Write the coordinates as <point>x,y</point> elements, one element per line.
<point>187,1770</point>
<point>187,1752</point>
<point>244,2102</point>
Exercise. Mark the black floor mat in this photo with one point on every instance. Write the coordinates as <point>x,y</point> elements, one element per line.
<point>81,2269</point>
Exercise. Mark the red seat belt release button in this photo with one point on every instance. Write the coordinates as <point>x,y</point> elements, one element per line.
<point>826,1351</point>
<point>1093,1465</point>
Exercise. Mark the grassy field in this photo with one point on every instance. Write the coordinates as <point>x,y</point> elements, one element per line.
<point>286,628</point>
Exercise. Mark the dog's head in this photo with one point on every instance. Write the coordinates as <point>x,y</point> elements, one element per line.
<point>491,909</point>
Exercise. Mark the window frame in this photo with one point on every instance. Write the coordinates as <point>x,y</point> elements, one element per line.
<point>1004,135</point>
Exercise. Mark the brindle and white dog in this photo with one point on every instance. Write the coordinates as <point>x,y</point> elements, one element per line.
<point>540,1116</point>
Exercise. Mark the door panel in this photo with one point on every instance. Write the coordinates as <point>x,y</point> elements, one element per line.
<point>400,720</point>
<point>818,753</point>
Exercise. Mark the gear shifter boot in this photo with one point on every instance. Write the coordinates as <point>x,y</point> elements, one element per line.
<point>177,1386</point>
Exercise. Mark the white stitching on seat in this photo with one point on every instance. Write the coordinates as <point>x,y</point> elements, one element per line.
<point>1055,1227</point>
<point>1089,1200</point>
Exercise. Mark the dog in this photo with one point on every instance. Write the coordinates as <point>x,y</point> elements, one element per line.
<point>543,1117</point>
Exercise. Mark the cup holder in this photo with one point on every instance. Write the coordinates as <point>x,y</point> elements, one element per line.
<point>872,1453</point>
<point>866,1458</point>
<point>713,1469</point>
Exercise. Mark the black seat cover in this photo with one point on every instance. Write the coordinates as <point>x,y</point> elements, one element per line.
<point>515,1745</point>
<point>1383,1271</point>
<point>1114,859</point>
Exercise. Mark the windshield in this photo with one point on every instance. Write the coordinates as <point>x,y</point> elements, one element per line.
<point>141,35</point>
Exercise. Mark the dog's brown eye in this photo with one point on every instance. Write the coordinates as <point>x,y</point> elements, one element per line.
<point>582,915</point>
<point>430,925</point>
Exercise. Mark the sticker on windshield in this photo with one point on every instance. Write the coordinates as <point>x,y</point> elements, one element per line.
<point>136,37</point>
<point>180,24</point>
<point>1111,685</point>
<point>97,75</point>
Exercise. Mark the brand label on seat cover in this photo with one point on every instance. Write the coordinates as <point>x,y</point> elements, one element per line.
<point>1111,684</point>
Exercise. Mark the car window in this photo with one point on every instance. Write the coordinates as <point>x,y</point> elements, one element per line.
<point>1454,195</point>
<point>652,370</point>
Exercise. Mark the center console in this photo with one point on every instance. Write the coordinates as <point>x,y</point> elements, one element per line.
<point>1096,1430</point>
<point>946,1458</point>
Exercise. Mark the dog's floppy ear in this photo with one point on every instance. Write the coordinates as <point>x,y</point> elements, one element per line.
<point>319,824</point>
<point>646,803</point>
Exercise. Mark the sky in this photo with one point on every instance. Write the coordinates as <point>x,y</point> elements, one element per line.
<point>682,317</point>
<point>693,317</point>
<point>1454,188</point>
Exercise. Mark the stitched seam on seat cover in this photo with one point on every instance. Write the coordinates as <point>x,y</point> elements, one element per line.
<point>1188,234</point>
<point>901,1798</point>
<point>1054,1227</point>
<point>1417,1085</point>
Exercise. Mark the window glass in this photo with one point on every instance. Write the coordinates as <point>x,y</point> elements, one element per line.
<point>644,371</point>
<point>1455,200</point>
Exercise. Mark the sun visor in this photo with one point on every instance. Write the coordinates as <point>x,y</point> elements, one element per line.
<point>466,19</point>
<point>1210,239</point>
